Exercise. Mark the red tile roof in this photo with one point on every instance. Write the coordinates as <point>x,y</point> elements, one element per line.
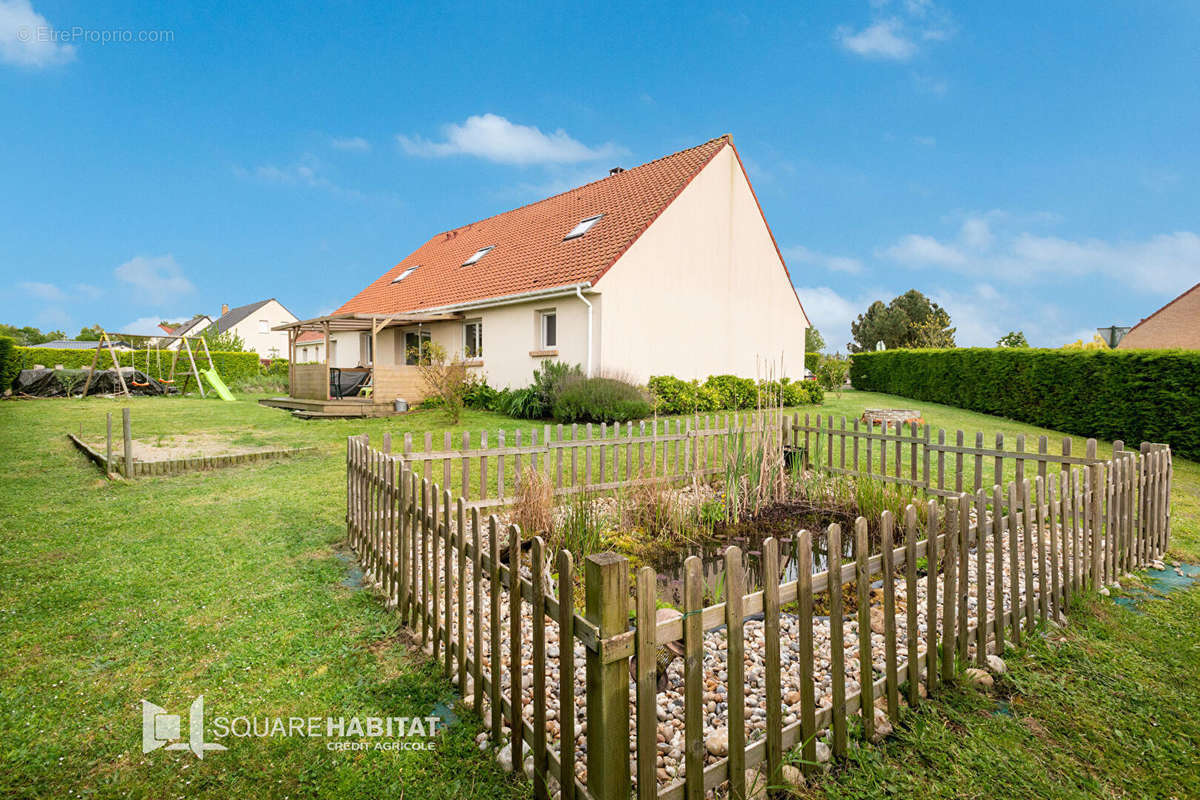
<point>530,253</point>
<point>310,336</point>
<point>1175,327</point>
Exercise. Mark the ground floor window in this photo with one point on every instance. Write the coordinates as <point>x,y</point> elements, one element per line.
<point>366,348</point>
<point>416,346</point>
<point>473,338</point>
<point>549,326</point>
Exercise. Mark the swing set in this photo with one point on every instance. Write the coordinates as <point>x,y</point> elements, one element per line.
<point>185,346</point>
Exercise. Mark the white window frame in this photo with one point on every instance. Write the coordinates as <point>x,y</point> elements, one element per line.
<point>477,323</point>
<point>543,340</point>
<point>366,348</point>
<point>478,254</point>
<point>264,326</point>
<point>585,225</point>
<point>423,335</point>
<point>405,274</point>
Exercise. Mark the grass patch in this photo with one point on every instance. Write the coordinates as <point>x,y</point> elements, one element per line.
<point>223,583</point>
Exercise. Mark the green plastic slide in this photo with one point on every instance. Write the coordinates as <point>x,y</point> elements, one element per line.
<point>218,385</point>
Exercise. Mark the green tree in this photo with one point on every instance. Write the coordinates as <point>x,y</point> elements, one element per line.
<point>1013,339</point>
<point>29,335</point>
<point>227,342</point>
<point>910,320</point>
<point>87,334</point>
<point>814,342</point>
<point>831,373</point>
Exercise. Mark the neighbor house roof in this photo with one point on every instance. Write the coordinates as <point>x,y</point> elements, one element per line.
<point>1177,324</point>
<point>78,344</point>
<point>235,315</point>
<point>190,328</point>
<point>529,252</point>
<point>310,336</point>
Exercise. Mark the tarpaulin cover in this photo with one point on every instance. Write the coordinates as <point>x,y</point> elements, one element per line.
<point>346,384</point>
<point>64,382</point>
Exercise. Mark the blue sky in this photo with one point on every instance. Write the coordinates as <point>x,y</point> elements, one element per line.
<point>1029,165</point>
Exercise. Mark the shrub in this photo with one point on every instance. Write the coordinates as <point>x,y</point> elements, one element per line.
<point>9,363</point>
<point>733,392</point>
<point>672,395</point>
<point>232,367</point>
<point>1133,395</point>
<point>600,400</point>
<point>445,379</point>
<point>278,368</point>
<point>811,360</point>
<point>478,394</point>
<point>832,372</point>
<point>521,404</point>
<point>549,378</point>
<point>791,393</point>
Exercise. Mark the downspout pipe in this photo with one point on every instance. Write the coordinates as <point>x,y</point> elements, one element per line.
<point>586,302</point>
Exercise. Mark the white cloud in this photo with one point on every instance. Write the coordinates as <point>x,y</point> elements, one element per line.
<point>494,138</point>
<point>88,292</point>
<point>831,313</point>
<point>147,326</point>
<point>308,171</point>
<point>352,143</point>
<point>976,233</point>
<point>800,253</point>
<point>44,291</point>
<point>157,280</point>
<point>917,250</point>
<point>27,39</point>
<point>930,84</point>
<point>925,141</point>
<point>885,39</point>
<point>295,174</point>
<point>1165,263</point>
<point>896,37</point>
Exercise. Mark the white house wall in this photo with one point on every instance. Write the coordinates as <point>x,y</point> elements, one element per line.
<point>703,290</point>
<point>510,334</point>
<point>251,330</point>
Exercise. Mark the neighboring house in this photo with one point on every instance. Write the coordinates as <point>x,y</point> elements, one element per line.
<point>1175,325</point>
<point>81,344</point>
<point>310,347</point>
<point>668,268</point>
<point>254,323</point>
<point>193,327</point>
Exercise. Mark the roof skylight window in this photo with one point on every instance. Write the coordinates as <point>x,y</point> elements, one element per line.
<point>404,274</point>
<point>583,227</point>
<point>480,253</point>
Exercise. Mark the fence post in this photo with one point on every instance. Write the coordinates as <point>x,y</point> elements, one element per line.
<point>108,465</point>
<point>127,433</point>
<point>606,601</point>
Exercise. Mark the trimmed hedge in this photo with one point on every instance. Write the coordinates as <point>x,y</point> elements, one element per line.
<point>230,366</point>
<point>672,395</point>
<point>600,400</point>
<point>9,363</point>
<point>1133,395</point>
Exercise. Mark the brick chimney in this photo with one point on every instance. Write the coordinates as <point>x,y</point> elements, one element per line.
<point>224,309</point>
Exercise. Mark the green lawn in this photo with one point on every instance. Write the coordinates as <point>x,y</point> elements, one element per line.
<point>233,584</point>
<point>226,583</point>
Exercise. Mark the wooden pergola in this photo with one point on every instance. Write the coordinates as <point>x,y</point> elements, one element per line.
<point>337,323</point>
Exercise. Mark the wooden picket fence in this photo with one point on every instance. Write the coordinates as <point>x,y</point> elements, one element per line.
<point>441,566</point>
<point>918,456</point>
<point>484,468</point>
